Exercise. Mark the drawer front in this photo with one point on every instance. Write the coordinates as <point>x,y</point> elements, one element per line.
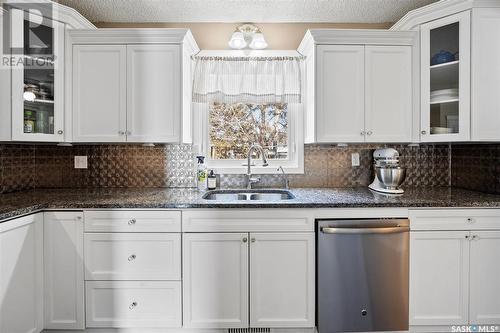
<point>132,221</point>
<point>455,219</point>
<point>242,220</point>
<point>132,256</point>
<point>123,304</point>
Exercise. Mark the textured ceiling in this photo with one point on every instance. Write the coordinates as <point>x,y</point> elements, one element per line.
<point>356,11</point>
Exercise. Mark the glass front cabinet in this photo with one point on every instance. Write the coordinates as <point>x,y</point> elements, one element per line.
<point>445,79</point>
<point>37,77</point>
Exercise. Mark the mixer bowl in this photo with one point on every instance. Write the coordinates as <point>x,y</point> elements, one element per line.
<point>391,178</point>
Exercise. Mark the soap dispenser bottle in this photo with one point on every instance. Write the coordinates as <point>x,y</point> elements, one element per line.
<point>201,174</point>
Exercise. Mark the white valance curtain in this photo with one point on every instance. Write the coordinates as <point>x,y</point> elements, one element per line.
<point>258,80</point>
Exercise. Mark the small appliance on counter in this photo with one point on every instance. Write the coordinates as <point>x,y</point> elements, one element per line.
<point>388,174</point>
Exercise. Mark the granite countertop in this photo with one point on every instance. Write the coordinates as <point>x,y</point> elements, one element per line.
<point>20,203</point>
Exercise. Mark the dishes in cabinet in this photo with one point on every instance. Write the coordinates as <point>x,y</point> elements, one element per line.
<point>444,95</point>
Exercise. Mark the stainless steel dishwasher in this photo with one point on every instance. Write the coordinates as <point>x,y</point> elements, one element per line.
<point>362,275</point>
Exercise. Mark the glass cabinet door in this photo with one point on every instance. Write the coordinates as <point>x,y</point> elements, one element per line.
<point>37,78</point>
<point>445,79</point>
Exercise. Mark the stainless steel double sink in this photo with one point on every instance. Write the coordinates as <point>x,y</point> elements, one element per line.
<point>248,195</point>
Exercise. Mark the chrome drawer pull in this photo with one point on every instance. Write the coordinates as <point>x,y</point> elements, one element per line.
<point>132,221</point>
<point>132,306</point>
<point>132,257</point>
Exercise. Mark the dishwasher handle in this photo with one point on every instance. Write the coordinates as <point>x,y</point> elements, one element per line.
<point>376,230</point>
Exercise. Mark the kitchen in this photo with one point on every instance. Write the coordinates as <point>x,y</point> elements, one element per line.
<point>324,167</point>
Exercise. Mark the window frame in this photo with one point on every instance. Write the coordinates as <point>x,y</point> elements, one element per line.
<point>294,164</point>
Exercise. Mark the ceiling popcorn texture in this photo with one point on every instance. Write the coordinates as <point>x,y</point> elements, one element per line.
<point>355,11</point>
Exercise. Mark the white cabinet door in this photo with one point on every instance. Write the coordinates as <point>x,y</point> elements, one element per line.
<point>99,93</point>
<point>63,258</point>
<point>484,273</point>
<point>340,99</point>
<point>153,93</point>
<point>21,275</point>
<point>282,280</point>
<point>388,87</point>
<point>485,71</point>
<point>445,87</point>
<point>215,280</point>
<point>439,277</point>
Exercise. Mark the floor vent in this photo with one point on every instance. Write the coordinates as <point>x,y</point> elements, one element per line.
<point>249,330</point>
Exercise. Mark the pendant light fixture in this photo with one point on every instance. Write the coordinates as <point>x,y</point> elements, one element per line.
<point>247,35</point>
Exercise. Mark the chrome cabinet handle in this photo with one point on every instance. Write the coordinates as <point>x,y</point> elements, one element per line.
<point>132,257</point>
<point>252,240</point>
<point>132,221</point>
<point>470,220</point>
<point>369,132</point>
<point>474,237</point>
<point>132,306</point>
<point>424,132</point>
<point>60,132</point>
<point>363,133</point>
<point>244,240</point>
<point>388,230</point>
<point>466,236</point>
<point>121,133</point>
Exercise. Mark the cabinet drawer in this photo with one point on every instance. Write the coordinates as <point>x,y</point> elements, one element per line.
<point>132,221</point>
<point>132,256</point>
<point>123,304</point>
<point>455,219</point>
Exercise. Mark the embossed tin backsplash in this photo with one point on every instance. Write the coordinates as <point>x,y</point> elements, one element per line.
<point>25,167</point>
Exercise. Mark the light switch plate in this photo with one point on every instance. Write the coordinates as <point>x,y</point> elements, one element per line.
<point>81,162</point>
<point>355,159</point>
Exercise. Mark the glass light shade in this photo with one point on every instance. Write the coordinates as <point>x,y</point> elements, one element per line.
<point>237,41</point>
<point>258,42</point>
<point>29,96</point>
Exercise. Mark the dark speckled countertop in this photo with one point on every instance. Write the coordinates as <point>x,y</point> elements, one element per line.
<point>20,203</point>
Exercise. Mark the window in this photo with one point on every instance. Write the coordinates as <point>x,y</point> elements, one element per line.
<point>228,131</point>
<point>233,128</point>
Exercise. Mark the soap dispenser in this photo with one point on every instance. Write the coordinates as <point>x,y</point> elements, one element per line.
<point>201,174</point>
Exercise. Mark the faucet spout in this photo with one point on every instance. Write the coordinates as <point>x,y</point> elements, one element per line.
<point>253,148</point>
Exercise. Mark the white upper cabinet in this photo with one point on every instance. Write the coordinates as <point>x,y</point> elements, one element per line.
<point>388,93</point>
<point>37,80</point>
<point>340,93</point>
<point>445,78</point>
<point>131,85</point>
<point>359,85</point>
<point>153,93</point>
<point>99,93</point>
<point>484,273</point>
<point>485,74</point>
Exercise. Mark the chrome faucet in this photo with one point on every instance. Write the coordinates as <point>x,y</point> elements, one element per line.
<point>251,180</point>
<point>285,177</point>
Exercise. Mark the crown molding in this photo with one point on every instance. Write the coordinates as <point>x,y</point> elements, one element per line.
<point>437,10</point>
<point>62,13</point>
<point>132,36</point>
<point>356,36</point>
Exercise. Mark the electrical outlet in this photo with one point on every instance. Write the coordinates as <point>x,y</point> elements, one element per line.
<point>81,162</point>
<point>355,159</point>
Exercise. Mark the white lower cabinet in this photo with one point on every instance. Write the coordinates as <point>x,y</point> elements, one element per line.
<point>21,275</point>
<point>215,280</point>
<point>484,278</point>
<point>282,280</point>
<point>127,304</point>
<point>439,277</point>
<point>216,271</point>
<point>63,279</point>
<point>454,274</point>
